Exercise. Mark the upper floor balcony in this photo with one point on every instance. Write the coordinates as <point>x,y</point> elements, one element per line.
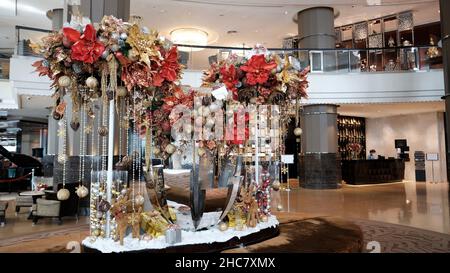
<point>375,75</point>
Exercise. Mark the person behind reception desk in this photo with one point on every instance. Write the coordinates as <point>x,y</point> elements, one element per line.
<point>372,154</point>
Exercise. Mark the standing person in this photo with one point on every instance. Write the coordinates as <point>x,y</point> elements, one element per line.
<point>372,154</point>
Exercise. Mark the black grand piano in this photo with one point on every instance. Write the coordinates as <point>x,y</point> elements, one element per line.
<point>25,165</point>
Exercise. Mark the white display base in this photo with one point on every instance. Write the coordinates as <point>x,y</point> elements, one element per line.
<point>108,245</point>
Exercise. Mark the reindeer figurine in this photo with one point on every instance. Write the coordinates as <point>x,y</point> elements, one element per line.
<point>134,220</point>
<point>125,217</point>
<point>252,207</point>
<point>119,210</point>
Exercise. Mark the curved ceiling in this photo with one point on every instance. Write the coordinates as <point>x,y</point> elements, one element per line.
<point>265,21</point>
<point>250,21</point>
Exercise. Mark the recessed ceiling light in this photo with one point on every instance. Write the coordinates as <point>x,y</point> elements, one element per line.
<point>189,36</point>
<point>162,11</point>
<point>286,12</point>
<point>232,32</point>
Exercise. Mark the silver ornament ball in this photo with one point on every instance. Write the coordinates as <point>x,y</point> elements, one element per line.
<point>298,131</point>
<point>139,200</point>
<point>123,36</point>
<point>223,226</point>
<point>170,149</point>
<point>64,81</point>
<point>91,82</point>
<point>82,191</point>
<point>63,194</point>
<point>276,185</point>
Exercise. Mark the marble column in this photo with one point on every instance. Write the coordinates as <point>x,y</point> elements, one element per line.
<point>316,28</point>
<point>96,9</point>
<point>56,15</point>
<point>319,160</point>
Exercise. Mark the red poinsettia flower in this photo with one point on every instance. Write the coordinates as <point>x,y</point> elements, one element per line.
<point>85,48</point>
<point>169,68</point>
<point>258,70</point>
<point>229,78</point>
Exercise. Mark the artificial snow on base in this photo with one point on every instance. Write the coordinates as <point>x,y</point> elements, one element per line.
<point>212,235</point>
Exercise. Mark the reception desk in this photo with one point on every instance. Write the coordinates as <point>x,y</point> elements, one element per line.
<point>358,172</point>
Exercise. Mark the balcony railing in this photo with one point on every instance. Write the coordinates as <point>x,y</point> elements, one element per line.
<point>338,60</point>
<point>391,59</point>
<point>26,35</point>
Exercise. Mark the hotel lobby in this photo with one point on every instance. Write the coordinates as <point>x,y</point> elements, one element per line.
<point>243,127</point>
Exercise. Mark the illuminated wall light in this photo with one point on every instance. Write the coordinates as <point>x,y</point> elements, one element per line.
<point>189,36</point>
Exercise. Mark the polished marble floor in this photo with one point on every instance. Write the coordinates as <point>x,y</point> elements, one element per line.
<point>419,205</point>
<point>415,204</point>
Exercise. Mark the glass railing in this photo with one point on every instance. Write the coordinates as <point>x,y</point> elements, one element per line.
<point>27,35</point>
<point>392,59</point>
<point>338,60</point>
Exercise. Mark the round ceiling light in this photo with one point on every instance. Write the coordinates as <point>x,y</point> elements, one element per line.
<point>189,36</point>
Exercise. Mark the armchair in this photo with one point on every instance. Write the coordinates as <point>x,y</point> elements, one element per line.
<point>3,207</point>
<point>47,208</point>
<point>23,201</point>
<point>68,207</point>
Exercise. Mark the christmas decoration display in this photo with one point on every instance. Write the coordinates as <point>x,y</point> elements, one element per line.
<point>260,77</point>
<point>122,69</point>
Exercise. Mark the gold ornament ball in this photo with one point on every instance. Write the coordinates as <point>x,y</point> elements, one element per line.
<point>126,161</point>
<point>279,207</point>
<point>103,131</point>
<point>96,232</point>
<point>91,82</point>
<point>239,227</point>
<point>139,200</point>
<point>170,149</point>
<point>121,91</point>
<point>133,54</point>
<point>298,131</point>
<point>63,194</point>
<point>276,185</point>
<point>64,81</point>
<point>264,218</point>
<point>82,191</point>
<point>223,226</point>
